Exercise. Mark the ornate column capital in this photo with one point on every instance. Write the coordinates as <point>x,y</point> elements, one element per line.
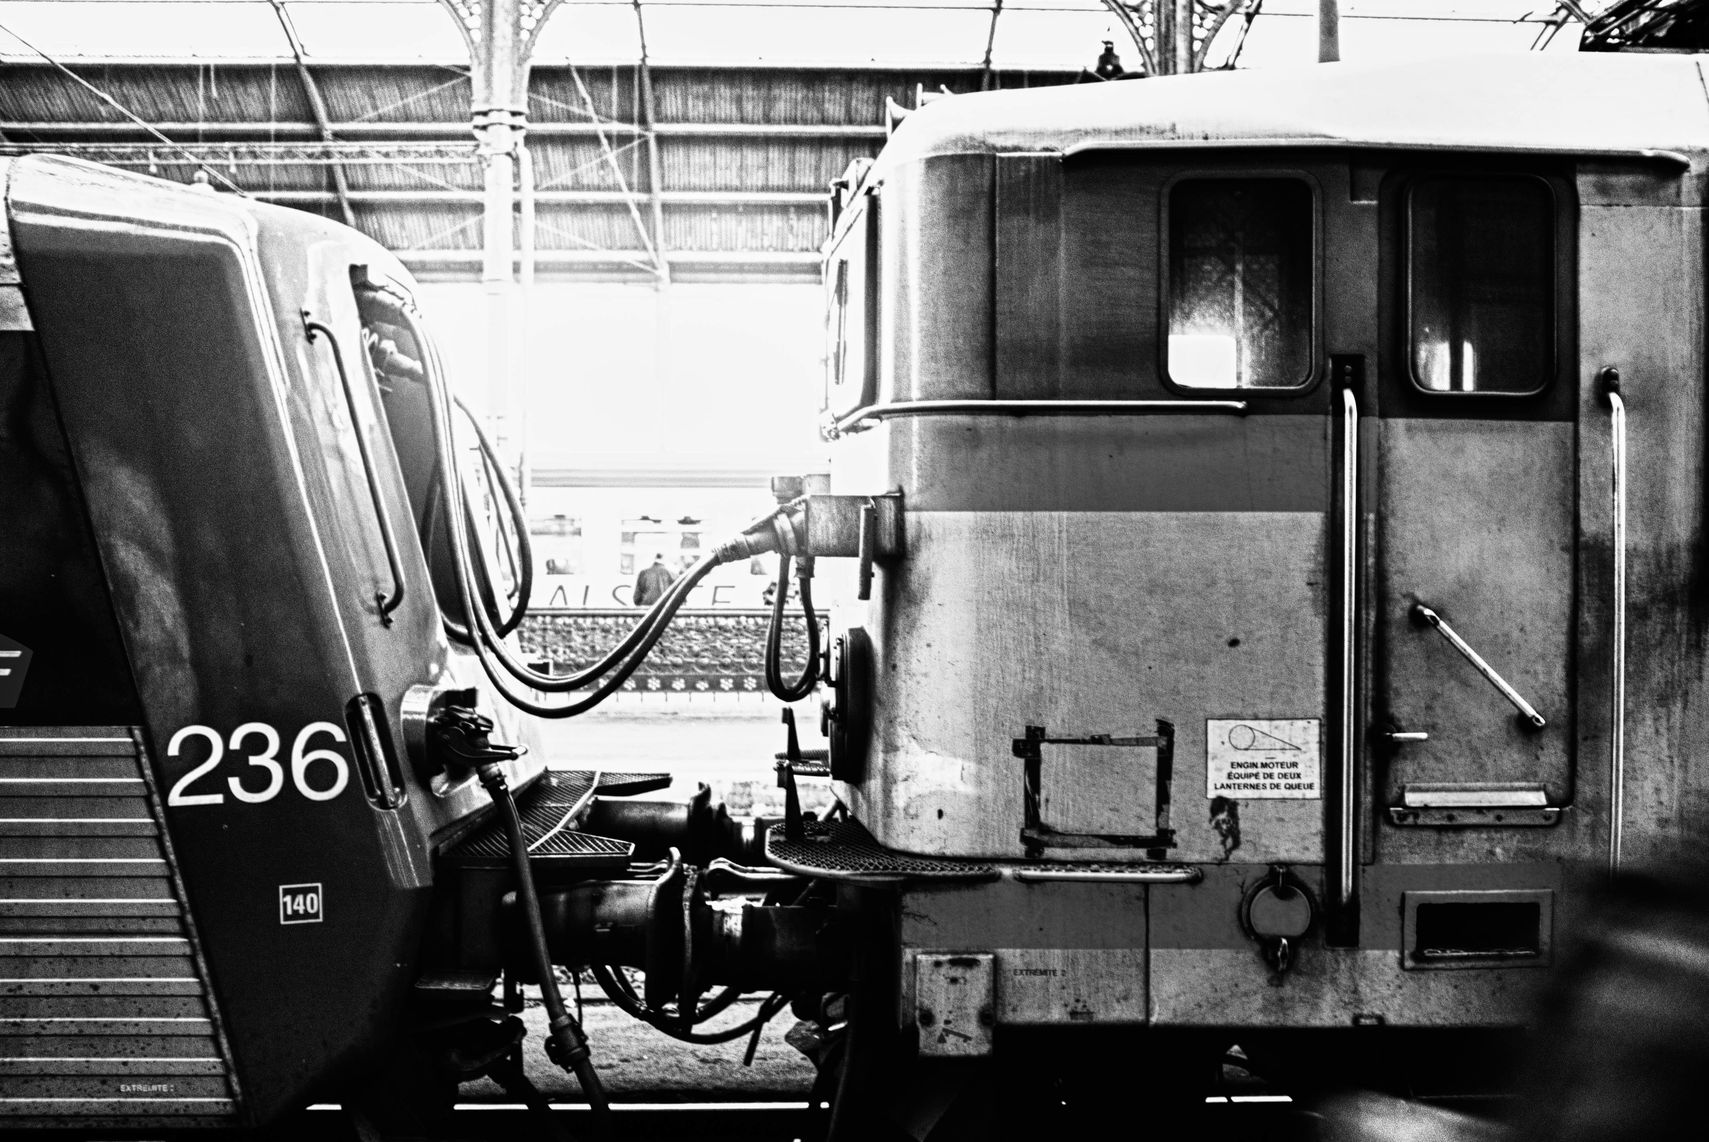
<point>1146,19</point>
<point>500,35</point>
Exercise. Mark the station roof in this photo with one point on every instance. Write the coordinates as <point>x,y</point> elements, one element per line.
<point>1007,34</point>
<point>756,105</point>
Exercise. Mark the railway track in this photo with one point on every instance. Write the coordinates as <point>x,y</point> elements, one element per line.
<point>1242,1118</point>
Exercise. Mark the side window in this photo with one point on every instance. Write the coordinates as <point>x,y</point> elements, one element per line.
<point>1480,284</point>
<point>1239,293</point>
<point>849,315</point>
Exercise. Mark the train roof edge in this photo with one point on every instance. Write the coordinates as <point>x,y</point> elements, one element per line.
<point>71,187</point>
<point>1565,103</point>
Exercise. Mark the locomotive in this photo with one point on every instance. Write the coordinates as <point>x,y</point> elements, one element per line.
<point>1246,491</point>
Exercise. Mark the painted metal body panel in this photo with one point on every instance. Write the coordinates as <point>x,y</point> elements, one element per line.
<point>1476,519</point>
<point>213,445</point>
<point>1077,622</point>
<point>1020,530</point>
<point>1204,971</point>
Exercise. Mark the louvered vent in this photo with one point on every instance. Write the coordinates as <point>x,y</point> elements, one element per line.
<point>105,1016</point>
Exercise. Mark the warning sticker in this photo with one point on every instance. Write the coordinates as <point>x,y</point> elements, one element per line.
<point>1263,759</point>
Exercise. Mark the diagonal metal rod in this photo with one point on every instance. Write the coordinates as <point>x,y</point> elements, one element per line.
<point>1429,617</point>
<point>617,170</point>
<point>317,105</point>
<point>121,109</point>
<point>990,45</point>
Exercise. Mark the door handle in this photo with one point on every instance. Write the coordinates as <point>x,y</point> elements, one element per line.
<point>1428,617</point>
<point>1400,737</point>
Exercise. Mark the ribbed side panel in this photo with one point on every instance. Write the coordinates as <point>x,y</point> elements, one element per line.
<point>105,1016</point>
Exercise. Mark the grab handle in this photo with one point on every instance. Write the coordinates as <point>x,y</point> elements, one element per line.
<point>1346,777</point>
<point>1430,618</point>
<point>387,603</point>
<point>1610,378</point>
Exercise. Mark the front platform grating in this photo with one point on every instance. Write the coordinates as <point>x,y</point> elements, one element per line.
<point>547,808</point>
<point>844,850</point>
<point>106,1019</point>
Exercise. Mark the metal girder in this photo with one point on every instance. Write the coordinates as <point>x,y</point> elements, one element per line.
<point>802,259</point>
<point>371,129</point>
<point>256,154</point>
<point>808,199</point>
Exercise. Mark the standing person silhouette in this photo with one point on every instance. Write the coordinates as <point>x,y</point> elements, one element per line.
<point>652,582</point>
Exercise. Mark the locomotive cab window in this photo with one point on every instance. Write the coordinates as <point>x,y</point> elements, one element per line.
<point>851,309</point>
<point>1481,284</point>
<point>1239,290</point>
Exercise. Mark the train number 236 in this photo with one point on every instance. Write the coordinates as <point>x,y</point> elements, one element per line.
<point>320,774</point>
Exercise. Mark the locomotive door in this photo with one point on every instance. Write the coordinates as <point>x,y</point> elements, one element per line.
<point>1475,508</point>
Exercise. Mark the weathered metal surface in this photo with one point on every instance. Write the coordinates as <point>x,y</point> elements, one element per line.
<point>1475,519</point>
<point>1089,623</point>
<point>1206,971</point>
<point>955,1003</point>
<point>1062,953</point>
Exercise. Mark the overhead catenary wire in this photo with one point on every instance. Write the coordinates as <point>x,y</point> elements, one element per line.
<point>127,113</point>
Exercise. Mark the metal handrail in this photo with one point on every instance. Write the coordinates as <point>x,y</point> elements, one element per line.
<point>891,410</point>
<point>386,603</point>
<point>1610,378</point>
<point>1346,774</point>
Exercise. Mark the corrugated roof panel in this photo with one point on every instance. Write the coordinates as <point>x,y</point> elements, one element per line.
<point>395,94</point>
<point>615,90</point>
<point>156,94</point>
<point>746,228</point>
<point>586,227</point>
<point>427,226</point>
<point>733,165</point>
<point>581,163</point>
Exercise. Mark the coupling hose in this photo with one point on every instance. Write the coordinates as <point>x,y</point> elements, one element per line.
<point>566,1044</point>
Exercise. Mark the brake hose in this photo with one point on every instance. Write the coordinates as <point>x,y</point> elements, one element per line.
<point>566,1044</point>
<point>802,686</point>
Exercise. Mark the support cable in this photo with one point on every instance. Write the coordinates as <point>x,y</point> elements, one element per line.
<point>127,113</point>
<point>317,106</point>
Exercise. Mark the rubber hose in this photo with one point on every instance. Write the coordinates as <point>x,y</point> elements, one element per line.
<point>567,1035</point>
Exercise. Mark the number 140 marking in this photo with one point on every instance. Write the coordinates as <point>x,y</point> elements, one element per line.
<point>302,757</point>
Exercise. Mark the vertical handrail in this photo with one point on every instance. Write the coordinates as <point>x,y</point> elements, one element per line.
<point>1346,771</point>
<point>1610,378</point>
<point>387,603</point>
